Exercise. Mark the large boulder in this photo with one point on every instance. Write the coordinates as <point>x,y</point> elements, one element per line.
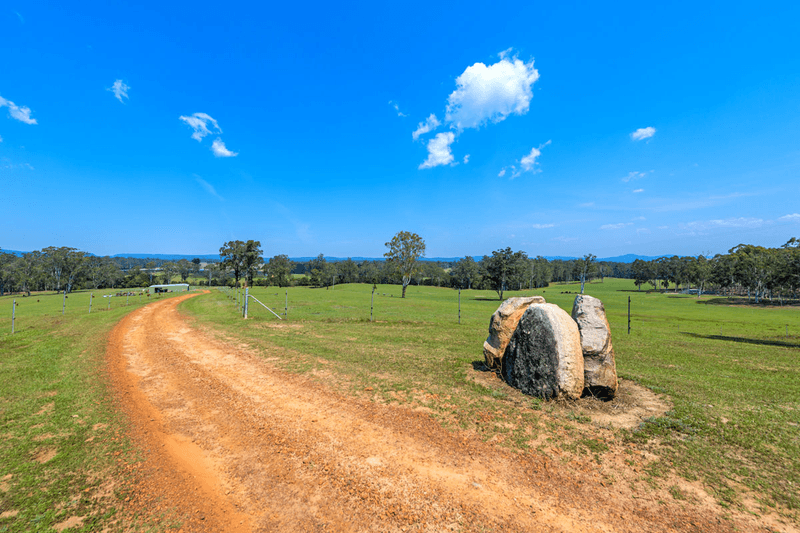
<point>599,366</point>
<point>544,356</point>
<point>502,325</point>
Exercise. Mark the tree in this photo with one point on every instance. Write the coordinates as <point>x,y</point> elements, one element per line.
<point>642,273</point>
<point>168,270</point>
<point>585,267</point>
<point>318,270</point>
<point>242,258</point>
<point>501,267</point>
<point>279,270</point>
<point>184,269</point>
<point>64,265</point>
<point>405,250</point>
<point>465,272</point>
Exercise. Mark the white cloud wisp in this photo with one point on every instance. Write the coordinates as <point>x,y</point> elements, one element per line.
<point>643,133</point>
<point>23,114</point>
<point>120,90</point>
<point>430,124</point>
<point>439,151</point>
<point>218,147</point>
<point>199,123</point>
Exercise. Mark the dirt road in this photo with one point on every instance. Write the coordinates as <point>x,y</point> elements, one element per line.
<point>236,445</point>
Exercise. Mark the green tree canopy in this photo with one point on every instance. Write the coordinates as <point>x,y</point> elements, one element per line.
<point>405,250</point>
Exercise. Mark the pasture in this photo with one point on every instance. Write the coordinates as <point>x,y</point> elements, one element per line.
<point>731,373</point>
<point>64,457</point>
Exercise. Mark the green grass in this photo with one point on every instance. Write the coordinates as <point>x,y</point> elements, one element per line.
<point>730,371</point>
<point>62,447</point>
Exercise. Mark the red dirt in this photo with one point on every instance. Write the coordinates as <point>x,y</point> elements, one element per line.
<point>233,444</point>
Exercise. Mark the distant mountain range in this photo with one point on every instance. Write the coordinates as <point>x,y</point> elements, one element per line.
<point>627,258</point>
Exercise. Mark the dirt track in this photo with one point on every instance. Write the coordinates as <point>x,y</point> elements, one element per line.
<point>236,445</point>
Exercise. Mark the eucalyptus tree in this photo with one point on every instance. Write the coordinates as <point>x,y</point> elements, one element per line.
<point>405,250</point>
<point>502,267</point>
<point>465,273</point>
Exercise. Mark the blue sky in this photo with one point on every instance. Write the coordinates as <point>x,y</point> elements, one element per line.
<point>554,128</point>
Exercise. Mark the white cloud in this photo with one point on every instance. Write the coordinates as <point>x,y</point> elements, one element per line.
<point>199,123</point>
<point>1,139</point>
<point>466,159</point>
<point>439,152</point>
<point>794,217</point>
<point>120,90</point>
<point>501,173</point>
<point>491,93</point>
<point>699,227</point>
<point>397,108</point>
<point>208,187</point>
<point>616,226</point>
<point>642,231</point>
<point>430,124</point>
<point>643,133</point>
<point>635,175</point>
<point>587,204</point>
<point>23,114</point>
<point>218,147</point>
<point>527,163</point>
<point>636,191</point>
<point>20,17</point>
<point>565,239</point>
<point>542,226</point>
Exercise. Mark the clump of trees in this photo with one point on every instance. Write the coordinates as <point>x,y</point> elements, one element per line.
<point>755,271</point>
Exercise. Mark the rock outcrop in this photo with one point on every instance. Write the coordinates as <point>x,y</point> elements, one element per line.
<point>544,356</point>
<point>600,370</point>
<point>502,325</point>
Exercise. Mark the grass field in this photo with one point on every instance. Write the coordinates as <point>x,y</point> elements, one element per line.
<point>63,454</point>
<point>731,372</point>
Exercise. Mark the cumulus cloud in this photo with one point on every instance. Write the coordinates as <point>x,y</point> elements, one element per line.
<point>501,173</point>
<point>397,108</point>
<point>218,147</point>
<point>637,191</point>
<point>492,93</point>
<point>120,90</point>
<point>199,123</point>
<point>643,133</point>
<point>430,124</point>
<point>466,159</point>
<point>439,152</point>
<point>23,114</point>
<point>615,226</point>
<point>542,226</point>
<point>641,231</point>
<point>794,217</point>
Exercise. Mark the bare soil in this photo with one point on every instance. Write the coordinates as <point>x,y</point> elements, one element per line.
<point>230,443</point>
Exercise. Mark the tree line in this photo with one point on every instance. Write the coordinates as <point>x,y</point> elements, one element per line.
<point>747,270</point>
<point>755,271</point>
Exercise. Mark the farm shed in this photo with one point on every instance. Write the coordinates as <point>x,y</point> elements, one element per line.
<point>173,287</point>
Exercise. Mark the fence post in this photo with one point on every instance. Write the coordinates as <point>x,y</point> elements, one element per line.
<point>127,295</point>
<point>109,303</point>
<point>286,304</point>
<point>13,314</point>
<point>64,302</point>
<point>372,303</point>
<point>91,297</point>
<point>246,299</point>
<point>459,305</point>
<point>629,315</point>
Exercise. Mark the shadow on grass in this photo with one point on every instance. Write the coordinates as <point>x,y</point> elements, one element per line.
<point>485,299</point>
<point>728,300</point>
<point>480,366</point>
<point>763,342</point>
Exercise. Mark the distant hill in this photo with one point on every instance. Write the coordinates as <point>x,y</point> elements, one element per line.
<point>627,258</point>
